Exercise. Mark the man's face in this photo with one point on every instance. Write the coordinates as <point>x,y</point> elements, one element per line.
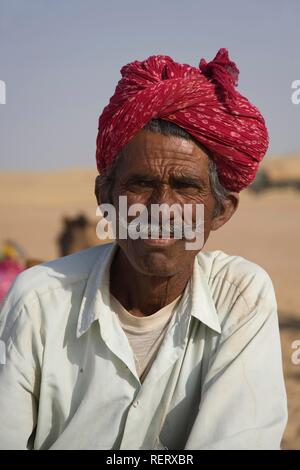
<point>158,169</point>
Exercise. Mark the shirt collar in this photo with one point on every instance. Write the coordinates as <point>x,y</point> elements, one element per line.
<point>202,304</point>
<point>96,297</point>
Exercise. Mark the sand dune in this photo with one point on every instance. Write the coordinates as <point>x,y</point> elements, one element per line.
<point>287,167</point>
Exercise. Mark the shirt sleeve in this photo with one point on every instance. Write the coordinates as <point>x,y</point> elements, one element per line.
<point>243,400</point>
<point>19,371</point>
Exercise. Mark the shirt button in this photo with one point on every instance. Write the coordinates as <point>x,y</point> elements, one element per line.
<point>135,404</point>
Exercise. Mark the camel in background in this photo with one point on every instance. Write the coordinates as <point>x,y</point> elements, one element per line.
<point>77,234</point>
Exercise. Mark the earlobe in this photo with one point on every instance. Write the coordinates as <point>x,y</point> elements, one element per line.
<point>229,207</point>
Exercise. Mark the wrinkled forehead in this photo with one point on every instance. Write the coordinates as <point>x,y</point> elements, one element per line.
<point>158,154</point>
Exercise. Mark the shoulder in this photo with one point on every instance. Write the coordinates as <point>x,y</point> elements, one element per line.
<point>52,281</point>
<point>235,276</point>
<point>60,272</point>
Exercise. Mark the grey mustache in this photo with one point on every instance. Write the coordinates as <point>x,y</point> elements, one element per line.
<point>174,228</point>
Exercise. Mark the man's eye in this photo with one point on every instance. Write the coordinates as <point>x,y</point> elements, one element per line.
<point>186,186</point>
<point>141,183</point>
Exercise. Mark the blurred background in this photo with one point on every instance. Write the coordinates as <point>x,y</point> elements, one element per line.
<point>60,61</point>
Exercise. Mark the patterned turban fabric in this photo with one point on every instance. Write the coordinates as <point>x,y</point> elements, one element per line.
<point>203,101</point>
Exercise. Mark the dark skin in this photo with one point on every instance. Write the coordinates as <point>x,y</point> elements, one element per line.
<point>158,169</point>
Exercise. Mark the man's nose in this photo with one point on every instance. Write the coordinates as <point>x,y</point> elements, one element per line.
<point>163,198</point>
<point>162,194</point>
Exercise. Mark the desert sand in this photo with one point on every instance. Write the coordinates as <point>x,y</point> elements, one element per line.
<point>264,230</point>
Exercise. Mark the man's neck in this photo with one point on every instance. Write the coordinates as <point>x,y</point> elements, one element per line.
<point>141,294</point>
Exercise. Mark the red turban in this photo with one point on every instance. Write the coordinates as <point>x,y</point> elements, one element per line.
<point>203,101</point>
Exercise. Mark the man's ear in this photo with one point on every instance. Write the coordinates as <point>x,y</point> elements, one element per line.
<point>230,205</point>
<point>101,191</point>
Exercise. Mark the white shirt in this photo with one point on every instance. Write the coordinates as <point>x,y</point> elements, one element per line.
<point>70,380</point>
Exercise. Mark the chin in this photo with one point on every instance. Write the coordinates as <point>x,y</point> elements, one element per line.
<point>158,269</point>
<point>156,260</point>
<point>157,263</point>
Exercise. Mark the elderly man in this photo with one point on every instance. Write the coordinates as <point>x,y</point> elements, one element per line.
<point>143,343</point>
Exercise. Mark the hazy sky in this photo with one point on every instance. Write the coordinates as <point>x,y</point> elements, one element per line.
<point>60,60</point>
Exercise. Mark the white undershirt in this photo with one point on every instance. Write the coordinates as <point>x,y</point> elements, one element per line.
<point>145,334</point>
